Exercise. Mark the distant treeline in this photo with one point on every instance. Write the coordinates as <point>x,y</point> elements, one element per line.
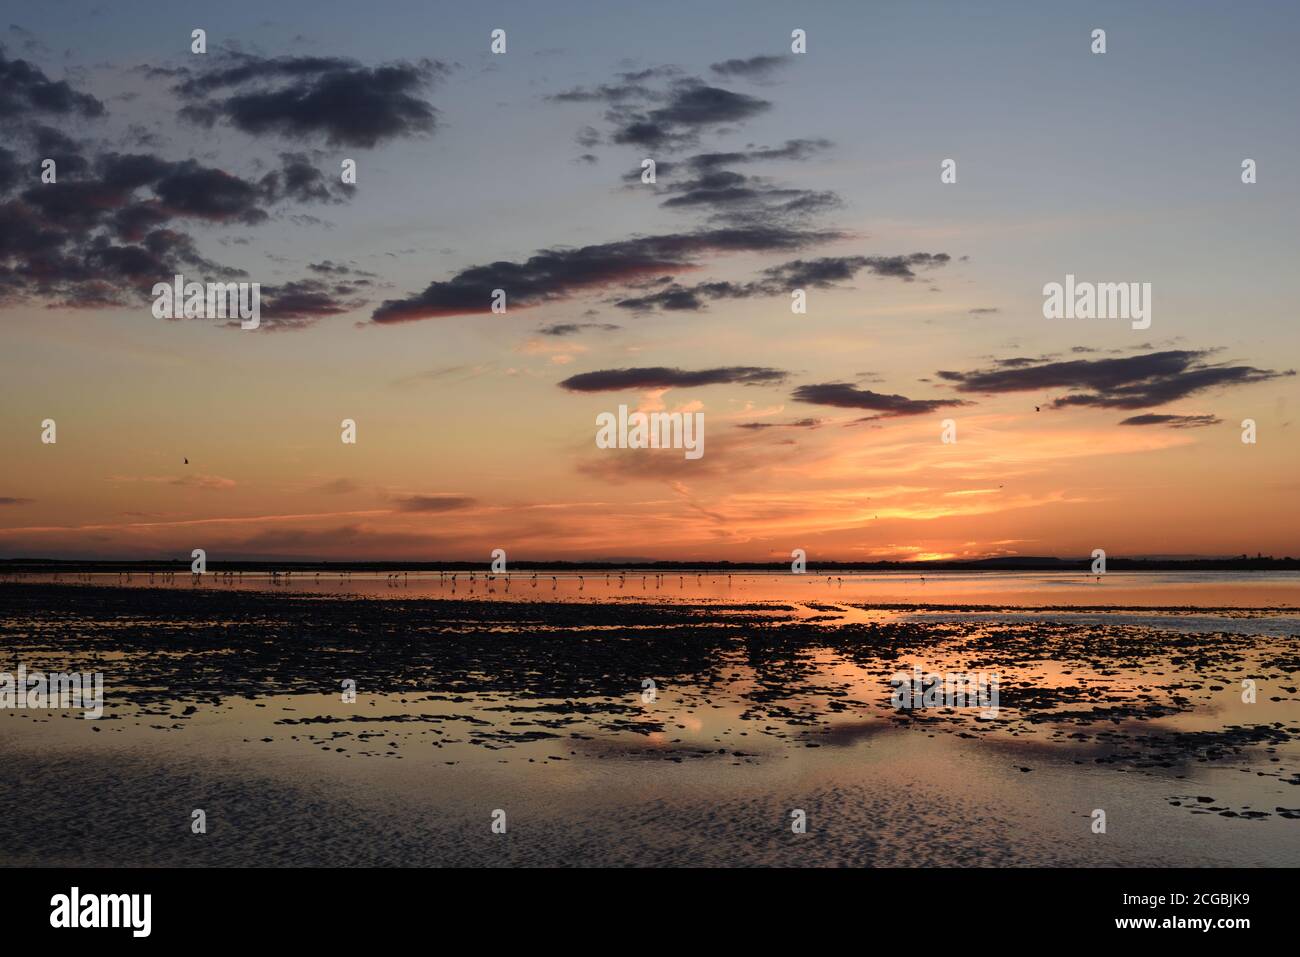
<point>1012,564</point>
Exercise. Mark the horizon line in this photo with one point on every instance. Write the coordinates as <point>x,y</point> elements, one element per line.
<point>1027,562</point>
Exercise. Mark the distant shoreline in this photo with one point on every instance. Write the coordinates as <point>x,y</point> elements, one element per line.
<point>1080,565</point>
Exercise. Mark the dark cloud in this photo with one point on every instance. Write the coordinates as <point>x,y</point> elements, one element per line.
<point>107,230</point>
<point>1132,382</point>
<point>797,424</point>
<point>661,377</point>
<point>291,306</point>
<point>180,190</point>
<point>705,183</point>
<point>346,103</point>
<point>573,328</point>
<point>607,93</point>
<point>10,171</point>
<point>112,225</point>
<point>627,86</point>
<point>327,267</point>
<point>26,90</point>
<point>643,114</point>
<point>11,500</point>
<point>64,150</point>
<point>139,136</point>
<point>691,106</point>
<point>674,117</point>
<point>695,104</point>
<point>650,73</point>
<point>794,149</point>
<point>751,68</point>
<point>62,247</point>
<point>302,181</point>
<point>190,190</point>
<point>825,272</point>
<point>560,273</point>
<point>799,274</point>
<point>434,503</point>
<point>735,197</point>
<point>701,163</point>
<point>137,220</point>
<point>843,395</point>
<point>1173,421</point>
<point>678,298</point>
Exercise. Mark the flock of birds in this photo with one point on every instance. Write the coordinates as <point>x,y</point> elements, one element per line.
<point>399,579</point>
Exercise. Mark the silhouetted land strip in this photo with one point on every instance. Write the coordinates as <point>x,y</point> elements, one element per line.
<point>1017,564</point>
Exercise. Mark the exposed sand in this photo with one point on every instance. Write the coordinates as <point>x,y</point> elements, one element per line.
<point>229,701</point>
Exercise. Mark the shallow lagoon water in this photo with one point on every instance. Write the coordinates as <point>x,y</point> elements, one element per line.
<point>1278,590</point>
<point>221,697</point>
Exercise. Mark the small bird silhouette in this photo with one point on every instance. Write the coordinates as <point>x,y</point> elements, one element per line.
<point>187,461</point>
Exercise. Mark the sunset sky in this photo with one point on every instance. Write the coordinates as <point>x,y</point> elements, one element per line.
<point>775,171</point>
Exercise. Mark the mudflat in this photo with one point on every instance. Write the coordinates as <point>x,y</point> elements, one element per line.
<point>643,730</point>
